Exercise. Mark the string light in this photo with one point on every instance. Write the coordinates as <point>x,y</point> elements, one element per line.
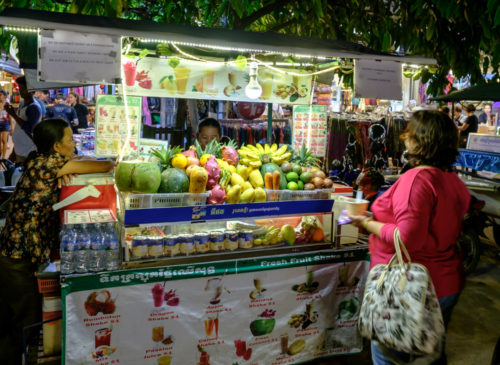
<point>21,29</point>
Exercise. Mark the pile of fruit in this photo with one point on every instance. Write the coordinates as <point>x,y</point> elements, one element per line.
<point>228,175</point>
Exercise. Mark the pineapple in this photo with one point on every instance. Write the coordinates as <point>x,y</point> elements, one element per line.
<point>306,158</point>
<point>213,148</point>
<point>165,155</point>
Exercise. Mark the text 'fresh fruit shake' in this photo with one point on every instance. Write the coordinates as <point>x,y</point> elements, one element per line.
<point>158,297</point>
<point>130,70</point>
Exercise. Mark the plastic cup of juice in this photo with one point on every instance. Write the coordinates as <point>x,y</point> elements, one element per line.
<point>130,70</point>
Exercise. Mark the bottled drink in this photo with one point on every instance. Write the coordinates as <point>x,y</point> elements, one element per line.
<point>97,254</point>
<point>68,249</point>
<point>112,247</point>
<point>82,254</point>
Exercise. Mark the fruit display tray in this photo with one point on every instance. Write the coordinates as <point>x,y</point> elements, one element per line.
<point>287,195</point>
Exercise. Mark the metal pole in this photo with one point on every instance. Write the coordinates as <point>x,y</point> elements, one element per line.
<point>269,136</point>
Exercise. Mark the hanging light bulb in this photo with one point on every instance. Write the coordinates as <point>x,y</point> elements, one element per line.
<point>253,90</point>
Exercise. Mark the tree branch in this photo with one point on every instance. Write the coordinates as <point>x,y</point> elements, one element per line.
<point>246,21</point>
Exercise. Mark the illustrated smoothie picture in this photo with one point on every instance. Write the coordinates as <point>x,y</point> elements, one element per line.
<point>181,78</point>
<point>130,70</point>
<point>212,327</point>
<point>214,286</point>
<point>158,296</point>
<point>157,334</point>
<point>208,79</point>
<point>102,337</point>
<point>284,343</point>
<point>259,290</point>
<point>267,88</point>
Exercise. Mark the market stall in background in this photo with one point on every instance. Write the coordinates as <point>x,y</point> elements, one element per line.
<point>219,254</point>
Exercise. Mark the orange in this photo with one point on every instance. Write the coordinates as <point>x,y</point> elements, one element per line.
<point>179,161</point>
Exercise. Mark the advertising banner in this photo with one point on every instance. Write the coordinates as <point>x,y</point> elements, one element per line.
<point>282,310</point>
<point>310,128</point>
<point>189,79</point>
<point>77,57</point>
<point>112,128</point>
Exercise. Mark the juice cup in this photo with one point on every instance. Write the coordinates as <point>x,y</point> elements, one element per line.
<point>267,88</point>
<point>209,326</point>
<point>164,360</point>
<point>284,343</point>
<point>157,334</point>
<point>129,69</point>
<point>102,337</point>
<point>208,79</point>
<point>181,78</point>
<point>216,322</point>
<point>158,297</point>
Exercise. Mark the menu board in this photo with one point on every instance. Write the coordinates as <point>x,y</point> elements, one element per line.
<point>283,310</point>
<point>88,216</point>
<point>117,122</point>
<point>310,128</point>
<point>190,79</point>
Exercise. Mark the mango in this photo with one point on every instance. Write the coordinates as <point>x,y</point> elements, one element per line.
<point>288,234</point>
<point>236,179</point>
<point>260,195</point>
<point>247,186</point>
<point>233,194</point>
<point>247,196</point>
<point>242,171</point>
<point>256,179</point>
<point>296,347</point>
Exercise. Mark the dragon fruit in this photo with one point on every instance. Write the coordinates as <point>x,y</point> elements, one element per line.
<point>211,183</point>
<point>191,152</point>
<point>213,169</point>
<point>230,155</point>
<point>217,195</point>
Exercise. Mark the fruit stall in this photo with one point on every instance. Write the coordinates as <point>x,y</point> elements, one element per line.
<point>227,252</point>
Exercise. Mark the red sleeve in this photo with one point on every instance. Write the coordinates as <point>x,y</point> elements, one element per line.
<point>413,204</point>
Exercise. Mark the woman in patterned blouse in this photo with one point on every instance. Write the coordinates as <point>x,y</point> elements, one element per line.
<point>31,230</point>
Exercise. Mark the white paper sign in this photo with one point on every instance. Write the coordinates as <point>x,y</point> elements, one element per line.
<point>378,80</point>
<point>78,57</point>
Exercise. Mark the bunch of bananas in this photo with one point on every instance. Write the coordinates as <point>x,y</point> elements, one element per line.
<point>257,155</point>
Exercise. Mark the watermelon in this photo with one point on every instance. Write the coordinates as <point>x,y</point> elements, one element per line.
<point>174,180</point>
<point>137,177</point>
<point>271,167</point>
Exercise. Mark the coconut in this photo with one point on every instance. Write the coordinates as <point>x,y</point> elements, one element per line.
<point>138,177</point>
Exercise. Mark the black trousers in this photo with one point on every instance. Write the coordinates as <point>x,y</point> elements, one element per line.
<point>20,306</point>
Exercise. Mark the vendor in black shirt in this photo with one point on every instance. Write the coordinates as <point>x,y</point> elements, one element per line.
<point>470,125</point>
<point>81,110</point>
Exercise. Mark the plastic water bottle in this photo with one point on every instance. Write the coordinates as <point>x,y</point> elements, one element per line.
<point>82,254</point>
<point>112,247</point>
<point>68,249</point>
<point>97,254</point>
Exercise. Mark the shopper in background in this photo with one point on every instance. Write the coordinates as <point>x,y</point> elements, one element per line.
<point>26,118</point>
<point>61,110</point>
<point>484,116</point>
<point>458,117</point>
<point>81,111</point>
<point>208,130</point>
<point>31,231</point>
<point>427,205</point>
<point>92,116</point>
<point>470,125</point>
<point>5,125</point>
<point>38,96</point>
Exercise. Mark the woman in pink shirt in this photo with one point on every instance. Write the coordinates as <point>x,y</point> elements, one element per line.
<point>427,204</point>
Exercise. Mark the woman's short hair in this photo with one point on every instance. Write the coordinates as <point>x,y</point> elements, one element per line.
<point>470,108</point>
<point>47,133</point>
<point>435,139</point>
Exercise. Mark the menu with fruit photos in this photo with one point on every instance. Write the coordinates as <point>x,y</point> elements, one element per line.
<point>291,310</point>
<point>310,128</point>
<point>118,122</point>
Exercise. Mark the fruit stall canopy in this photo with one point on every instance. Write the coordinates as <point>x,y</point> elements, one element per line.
<point>486,92</point>
<point>214,37</point>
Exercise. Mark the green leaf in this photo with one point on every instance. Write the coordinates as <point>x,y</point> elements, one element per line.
<point>239,7</point>
<point>241,62</point>
<point>143,53</point>
<point>497,18</point>
<point>491,5</point>
<point>173,62</point>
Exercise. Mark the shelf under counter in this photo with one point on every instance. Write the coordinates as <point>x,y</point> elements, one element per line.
<point>272,252</point>
<point>224,212</point>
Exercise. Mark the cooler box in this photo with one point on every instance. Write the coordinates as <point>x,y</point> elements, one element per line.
<point>88,191</point>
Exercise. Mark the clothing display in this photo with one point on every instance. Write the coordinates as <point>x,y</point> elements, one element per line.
<point>255,131</point>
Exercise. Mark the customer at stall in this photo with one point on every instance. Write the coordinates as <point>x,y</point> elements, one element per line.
<point>427,205</point>
<point>82,111</point>
<point>208,130</point>
<point>471,124</point>
<point>5,125</point>
<point>61,110</point>
<point>31,231</point>
<point>458,117</point>
<point>26,118</point>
